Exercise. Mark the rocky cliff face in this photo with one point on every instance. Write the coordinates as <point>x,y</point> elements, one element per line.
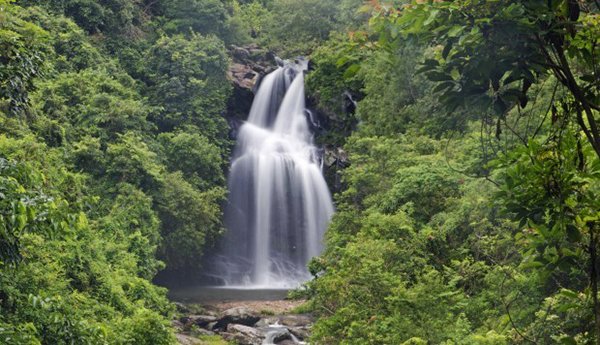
<point>249,65</point>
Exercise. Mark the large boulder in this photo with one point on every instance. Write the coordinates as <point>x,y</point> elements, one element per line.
<point>302,333</point>
<point>244,335</point>
<point>238,315</point>
<point>267,321</point>
<point>278,336</point>
<point>243,76</point>
<point>201,320</point>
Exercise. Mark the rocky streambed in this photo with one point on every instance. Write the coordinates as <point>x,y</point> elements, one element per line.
<point>243,323</point>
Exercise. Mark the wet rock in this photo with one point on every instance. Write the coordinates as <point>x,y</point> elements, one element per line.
<point>335,160</point>
<point>177,325</point>
<point>202,320</point>
<point>249,64</point>
<point>266,321</point>
<point>245,335</point>
<point>238,315</point>
<point>279,336</point>
<point>279,61</point>
<point>302,333</point>
<point>336,156</point>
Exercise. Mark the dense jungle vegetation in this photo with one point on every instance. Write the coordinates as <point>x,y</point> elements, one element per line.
<point>469,212</point>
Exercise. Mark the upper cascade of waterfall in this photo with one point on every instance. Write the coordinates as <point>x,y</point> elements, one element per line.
<point>279,204</point>
<point>269,102</point>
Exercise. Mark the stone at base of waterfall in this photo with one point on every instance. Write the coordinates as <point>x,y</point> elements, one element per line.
<point>280,336</point>
<point>238,315</point>
<point>267,321</point>
<point>302,333</point>
<point>177,325</point>
<point>198,320</point>
<point>211,326</point>
<point>243,335</point>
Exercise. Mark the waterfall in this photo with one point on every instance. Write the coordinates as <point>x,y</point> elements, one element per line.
<point>279,204</point>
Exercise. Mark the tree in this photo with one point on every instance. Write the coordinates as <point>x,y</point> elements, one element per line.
<point>191,221</point>
<point>493,54</point>
<point>90,102</point>
<point>195,156</point>
<point>202,16</point>
<point>113,17</point>
<point>22,50</point>
<point>187,79</point>
<point>299,26</point>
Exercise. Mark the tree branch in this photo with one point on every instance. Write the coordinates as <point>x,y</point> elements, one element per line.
<point>568,79</point>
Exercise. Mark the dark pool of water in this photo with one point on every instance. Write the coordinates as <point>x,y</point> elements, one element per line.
<point>203,294</point>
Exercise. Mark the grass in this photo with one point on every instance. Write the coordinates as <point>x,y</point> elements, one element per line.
<point>304,308</point>
<point>267,312</point>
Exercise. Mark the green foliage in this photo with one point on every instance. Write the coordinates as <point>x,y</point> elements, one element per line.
<point>71,49</point>
<point>22,50</point>
<point>257,17</point>
<point>131,160</point>
<point>195,156</point>
<point>17,216</point>
<point>471,262</point>
<point>91,102</point>
<point>399,266</point>
<point>70,278</point>
<point>301,25</point>
<point>335,64</point>
<point>110,159</point>
<point>133,220</point>
<point>490,53</point>
<point>203,16</point>
<point>119,17</point>
<point>116,157</point>
<point>186,77</point>
<point>552,188</point>
<point>191,219</point>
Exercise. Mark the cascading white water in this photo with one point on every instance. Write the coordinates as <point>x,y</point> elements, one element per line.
<point>279,204</point>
